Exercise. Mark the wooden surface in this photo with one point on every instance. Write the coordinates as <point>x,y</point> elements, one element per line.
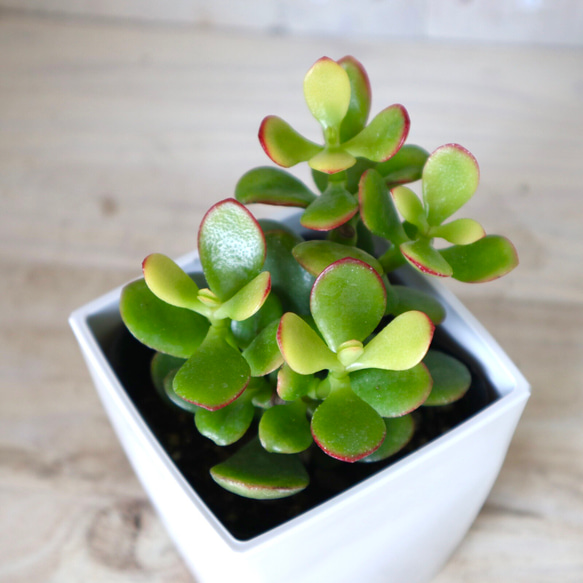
<point>114,139</point>
<point>531,22</point>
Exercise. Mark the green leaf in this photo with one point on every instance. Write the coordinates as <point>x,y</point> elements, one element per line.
<point>161,366</point>
<point>410,207</point>
<point>331,160</point>
<point>231,246</point>
<point>421,255</point>
<point>460,231</point>
<point>170,283</point>
<point>405,166</point>
<point>377,210</point>
<point>273,186</point>
<point>348,301</point>
<point>292,385</point>
<point>409,299</point>
<point>327,92</point>
<point>331,209</point>
<point>398,346</point>
<point>360,98</point>
<point>485,260</point>
<point>263,355</point>
<point>392,393</point>
<point>450,178</point>
<point>246,330</point>
<point>383,136</point>
<point>227,425</point>
<point>159,325</point>
<point>302,349</point>
<point>400,430</point>
<point>451,378</point>
<point>285,428</point>
<point>248,300</point>
<point>289,280</point>
<point>283,144</point>
<point>214,376</point>
<point>253,472</point>
<point>315,256</point>
<point>347,428</point>
<point>174,398</point>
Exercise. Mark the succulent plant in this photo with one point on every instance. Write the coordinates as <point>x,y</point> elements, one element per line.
<point>307,341</point>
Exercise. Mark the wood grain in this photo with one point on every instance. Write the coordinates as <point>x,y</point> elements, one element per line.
<point>114,139</point>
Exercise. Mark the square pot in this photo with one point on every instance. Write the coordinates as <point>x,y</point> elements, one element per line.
<point>399,525</point>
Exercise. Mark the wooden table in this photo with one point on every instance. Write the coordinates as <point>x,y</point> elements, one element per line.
<point>115,138</point>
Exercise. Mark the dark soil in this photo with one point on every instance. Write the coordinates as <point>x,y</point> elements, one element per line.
<point>194,455</point>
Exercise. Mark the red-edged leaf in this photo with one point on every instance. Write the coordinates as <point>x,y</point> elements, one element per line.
<point>425,258</point>
<point>377,210</point>
<point>332,208</point>
<point>360,98</point>
<point>383,136</point>
<point>485,260</point>
<point>283,144</point>
<point>273,186</point>
<point>347,428</point>
<point>231,246</point>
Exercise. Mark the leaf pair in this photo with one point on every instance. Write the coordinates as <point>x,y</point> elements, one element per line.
<point>338,96</point>
<point>169,312</point>
<point>450,178</point>
<point>347,303</point>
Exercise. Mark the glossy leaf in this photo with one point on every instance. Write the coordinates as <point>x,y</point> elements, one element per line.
<point>159,325</point>
<point>170,283</point>
<point>289,280</point>
<point>486,259</point>
<point>398,346</point>
<point>174,398</point>
<point>245,331</point>
<point>450,178</point>
<point>161,366</point>
<point>285,428</point>
<point>347,428</point>
<point>400,430</point>
<point>405,166</point>
<point>248,300</point>
<point>302,349</point>
<point>451,378</point>
<point>348,301</point>
<point>327,92</point>
<point>292,385</point>
<point>360,98</point>
<point>392,393</point>
<point>269,185</point>
<point>263,355</point>
<point>332,160</point>
<point>253,472</point>
<point>214,376</point>
<point>460,231</point>
<point>227,425</point>
<point>231,246</point>
<point>315,256</point>
<point>283,144</point>
<point>421,255</point>
<point>409,298</point>
<point>377,210</point>
<point>332,208</point>
<point>410,207</point>
<point>383,136</point>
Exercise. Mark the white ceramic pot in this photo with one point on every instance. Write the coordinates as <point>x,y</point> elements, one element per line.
<point>398,526</point>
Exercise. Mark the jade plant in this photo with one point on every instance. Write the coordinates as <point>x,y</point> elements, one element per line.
<point>286,343</point>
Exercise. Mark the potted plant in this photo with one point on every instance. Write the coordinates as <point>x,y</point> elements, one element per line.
<point>313,355</point>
